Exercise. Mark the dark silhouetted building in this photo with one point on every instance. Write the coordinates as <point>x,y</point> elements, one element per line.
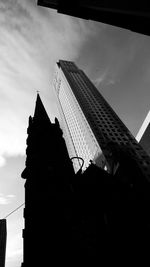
<point>55,214</point>
<point>47,169</point>
<point>124,14</point>
<point>3,237</point>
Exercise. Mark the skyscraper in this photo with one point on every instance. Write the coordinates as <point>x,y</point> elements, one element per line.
<point>91,128</point>
<point>80,139</point>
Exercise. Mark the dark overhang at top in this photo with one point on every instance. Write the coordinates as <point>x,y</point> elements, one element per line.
<point>48,3</point>
<point>134,17</point>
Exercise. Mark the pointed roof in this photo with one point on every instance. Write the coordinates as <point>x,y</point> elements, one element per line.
<point>40,112</point>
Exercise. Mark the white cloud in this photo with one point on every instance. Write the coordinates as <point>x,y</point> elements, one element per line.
<point>2,161</point>
<point>11,196</point>
<point>12,135</point>
<point>6,199</point>
<point>100,78</point>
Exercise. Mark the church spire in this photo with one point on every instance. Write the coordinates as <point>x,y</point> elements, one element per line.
<point>40,113</point>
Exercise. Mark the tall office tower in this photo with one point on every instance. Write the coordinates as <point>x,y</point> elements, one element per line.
<point>80,139</point>
<point>3,236</point>
<point>92,129</point>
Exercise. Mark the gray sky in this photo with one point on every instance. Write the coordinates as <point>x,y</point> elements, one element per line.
<point>32,39</point>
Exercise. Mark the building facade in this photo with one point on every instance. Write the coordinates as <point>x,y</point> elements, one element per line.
<point>80,139</point>
<point>92,129</point>
<point>3,237</point>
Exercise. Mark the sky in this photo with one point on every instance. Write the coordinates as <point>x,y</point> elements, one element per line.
<point>32,39</point>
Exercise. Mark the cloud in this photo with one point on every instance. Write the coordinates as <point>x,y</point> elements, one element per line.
<point>2,161</point>
<point>4,200</point>
<point>11,196</point>
<point>100,79</point>
<point>32,40</point>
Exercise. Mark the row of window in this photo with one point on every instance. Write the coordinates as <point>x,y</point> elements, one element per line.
<point>83,122</point>
<point>102,117</point>
<point>126,139</point>
<point>76,132</point>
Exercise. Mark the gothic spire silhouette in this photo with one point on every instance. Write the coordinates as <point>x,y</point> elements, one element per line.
<point>40,113</point>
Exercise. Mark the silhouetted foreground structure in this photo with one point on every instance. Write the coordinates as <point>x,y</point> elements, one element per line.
<point>3,237</point>
<point>54,213</point>
<point>62,208</point>
<point>125,14</point>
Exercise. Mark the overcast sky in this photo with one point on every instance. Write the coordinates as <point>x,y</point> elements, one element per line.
<point>32,39</point>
